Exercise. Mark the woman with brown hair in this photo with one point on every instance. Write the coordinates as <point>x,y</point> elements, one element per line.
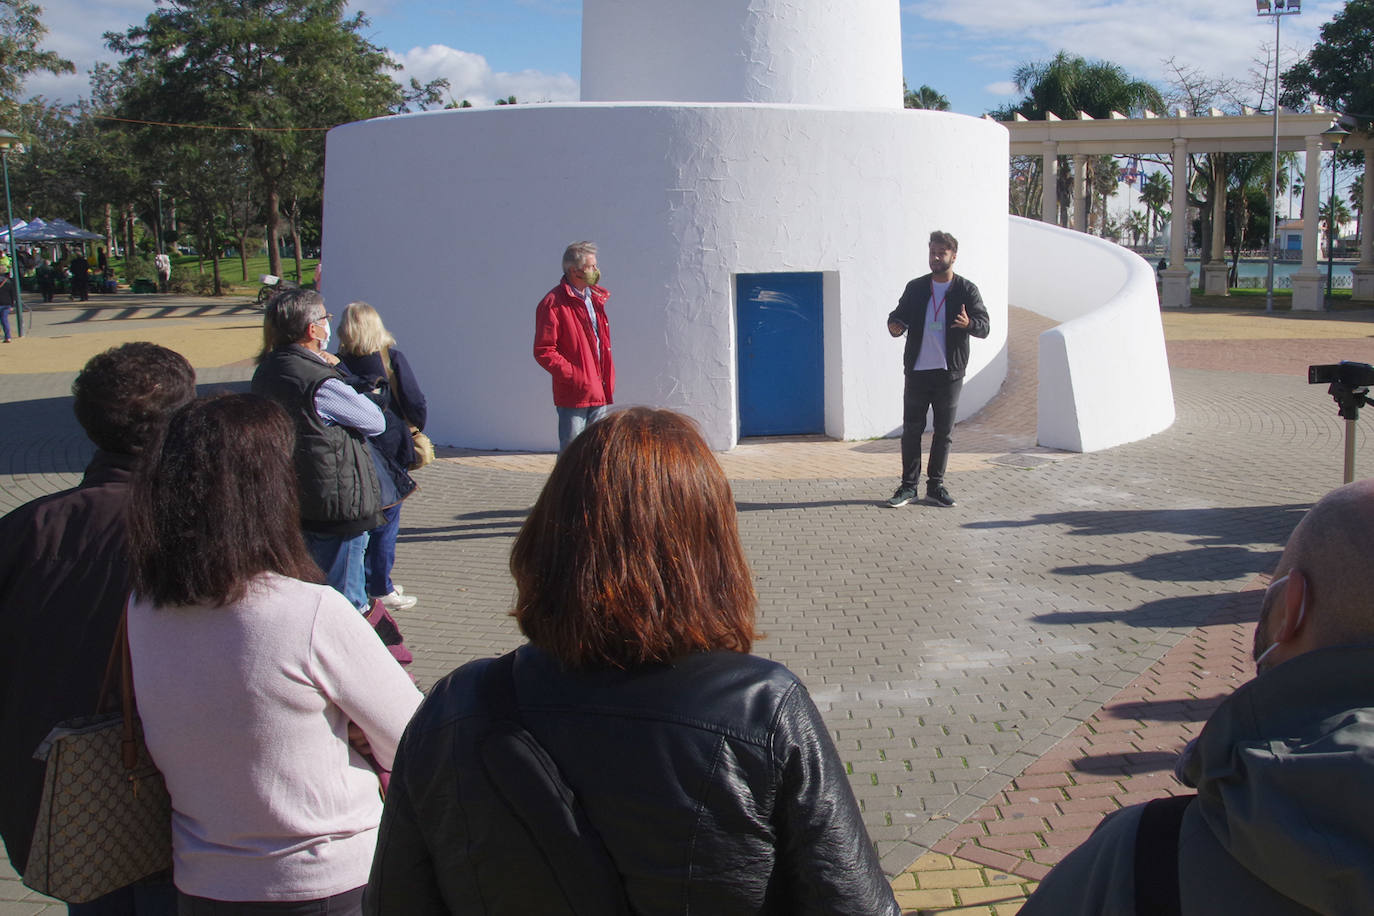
<point>632,757</point>
<point>259,688</point>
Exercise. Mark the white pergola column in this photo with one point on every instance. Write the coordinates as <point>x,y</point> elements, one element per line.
<point>1049,183</point>
<point>1177,288</point>
<point>1362,274</point>
<point>1308,282</point>
<point>1214,271</point>
<point>1080,192</point>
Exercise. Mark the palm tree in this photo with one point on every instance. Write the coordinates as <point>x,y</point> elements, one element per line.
<point>1154,194</point>
<point>1067,84</point>
<point>925,97</point>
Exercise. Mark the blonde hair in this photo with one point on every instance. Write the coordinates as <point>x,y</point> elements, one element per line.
<point>361,331</point>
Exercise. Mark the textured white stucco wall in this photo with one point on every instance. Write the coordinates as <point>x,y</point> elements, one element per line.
<point>844,53</point>
<point>452,224</point>
<point>1104,373</point>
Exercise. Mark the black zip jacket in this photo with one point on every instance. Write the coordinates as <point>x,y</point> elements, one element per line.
<point>713,784</point>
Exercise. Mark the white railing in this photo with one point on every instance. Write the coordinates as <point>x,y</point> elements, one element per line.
<point>1104,373</point>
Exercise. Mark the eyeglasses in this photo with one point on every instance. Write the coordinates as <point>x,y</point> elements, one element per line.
<point>325,317</point>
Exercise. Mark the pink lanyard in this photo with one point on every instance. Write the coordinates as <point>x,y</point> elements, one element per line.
<point>938,305</point>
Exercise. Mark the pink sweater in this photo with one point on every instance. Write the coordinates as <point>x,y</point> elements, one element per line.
<point>246,709</point>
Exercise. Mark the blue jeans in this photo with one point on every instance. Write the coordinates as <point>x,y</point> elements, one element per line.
<point>341,561</point>
<point>572,420</point>
<point>152,899</point>
<point>5,320</point>
<point>381,553</point>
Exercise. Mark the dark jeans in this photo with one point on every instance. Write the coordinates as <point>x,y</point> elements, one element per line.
<point>157,898</point>
<point>929,388</point>
<point>349,903</point>
<point>5,319</point>
<point>381,553</point>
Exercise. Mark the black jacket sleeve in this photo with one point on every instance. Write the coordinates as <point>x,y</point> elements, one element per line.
<point>824,856</point>
<point>409,397</point>
<point>979,323</point>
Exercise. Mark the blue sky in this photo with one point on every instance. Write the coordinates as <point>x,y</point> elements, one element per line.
<point>967,49</point>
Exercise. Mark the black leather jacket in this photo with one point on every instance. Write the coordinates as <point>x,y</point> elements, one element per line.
<point>712,782</point>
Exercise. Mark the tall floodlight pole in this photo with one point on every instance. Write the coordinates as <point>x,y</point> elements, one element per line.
<point>81,217</point>
<point>1277,9</point>
<point>159,184</point>
<point>1333,136</point>
<point>9,143</point>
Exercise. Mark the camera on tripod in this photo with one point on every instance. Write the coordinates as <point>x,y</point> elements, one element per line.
<point>1346,373</point>
<point>1349,386</point>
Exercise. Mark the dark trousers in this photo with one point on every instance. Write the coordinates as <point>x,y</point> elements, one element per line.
<point>349,903</point>
<point>927,389</point>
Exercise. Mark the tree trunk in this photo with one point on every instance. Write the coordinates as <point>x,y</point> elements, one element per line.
<point>109,230</point>
<point>273,231</point>
<point>128,232</point>
<point>214,268</point>
<point>243,253</point>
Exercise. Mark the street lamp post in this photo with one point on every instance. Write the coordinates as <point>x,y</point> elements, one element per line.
<point>1277,9</point>
<point>1333,136</point>
<point>81,216</point>
<point>9,143</point>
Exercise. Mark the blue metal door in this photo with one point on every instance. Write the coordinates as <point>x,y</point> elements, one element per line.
<point>781,354</point>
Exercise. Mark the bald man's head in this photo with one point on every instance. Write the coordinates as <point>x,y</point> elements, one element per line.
<point>1328,597</point>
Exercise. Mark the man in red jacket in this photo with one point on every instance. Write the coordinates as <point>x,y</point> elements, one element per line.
<point>572,340</point>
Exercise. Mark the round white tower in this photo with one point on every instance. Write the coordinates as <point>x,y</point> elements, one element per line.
<point>843,53</point>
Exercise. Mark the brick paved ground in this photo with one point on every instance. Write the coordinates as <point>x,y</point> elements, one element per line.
<point>951,651</point>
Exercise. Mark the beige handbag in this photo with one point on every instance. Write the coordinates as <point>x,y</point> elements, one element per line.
<point>105,818</point>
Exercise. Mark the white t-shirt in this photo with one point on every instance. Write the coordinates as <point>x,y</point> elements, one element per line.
<point>932,355</point>
<point>245,709</point>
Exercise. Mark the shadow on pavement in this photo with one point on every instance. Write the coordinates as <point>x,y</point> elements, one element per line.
<point>1202,564</point>
<point>1242,524</point>
<point>815,504</point>
<point>1183,611</point>
<point>1128,764</point>
<point>1184,709</point>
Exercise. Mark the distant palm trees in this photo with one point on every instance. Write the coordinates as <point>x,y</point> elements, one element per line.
<point>1154,194</point>
<point>1067,84</point>
<point>925,97</point>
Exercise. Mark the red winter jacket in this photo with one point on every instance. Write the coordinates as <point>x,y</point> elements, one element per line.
<point>565,345</point>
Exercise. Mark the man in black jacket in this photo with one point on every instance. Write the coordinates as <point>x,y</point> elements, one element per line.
<point>63,580</point>
<point>941,311</point>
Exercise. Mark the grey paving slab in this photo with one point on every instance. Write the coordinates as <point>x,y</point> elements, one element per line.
<point>945,647</point>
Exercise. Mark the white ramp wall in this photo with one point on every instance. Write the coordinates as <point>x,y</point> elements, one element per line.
<point>453,223</point>
<point>1104,372</point>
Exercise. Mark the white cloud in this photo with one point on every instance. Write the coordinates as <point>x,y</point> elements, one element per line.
<point>1005,87</point>
<point>471,77</point>
<point>1220,37</point>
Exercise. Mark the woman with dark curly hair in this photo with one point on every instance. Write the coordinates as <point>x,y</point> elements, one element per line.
<point>252,678</point>
<point>633,756</point>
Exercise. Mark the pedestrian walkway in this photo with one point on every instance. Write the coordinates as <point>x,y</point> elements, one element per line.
<point>995,675</point>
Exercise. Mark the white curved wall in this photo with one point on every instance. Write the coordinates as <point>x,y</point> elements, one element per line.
<point>453,223</point>
<point>1104,372</point>
<point>775,51</point>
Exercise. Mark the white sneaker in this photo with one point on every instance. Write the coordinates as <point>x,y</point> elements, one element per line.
<point>397,601</point>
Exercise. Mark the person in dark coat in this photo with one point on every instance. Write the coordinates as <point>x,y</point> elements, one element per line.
<point>64,578</point>
<point>679,773</point>
<point>6,304</point>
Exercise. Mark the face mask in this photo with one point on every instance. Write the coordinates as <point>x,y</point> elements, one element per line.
<point>591,275</point>
<point>1302,611</point>
<point>327,334</point>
